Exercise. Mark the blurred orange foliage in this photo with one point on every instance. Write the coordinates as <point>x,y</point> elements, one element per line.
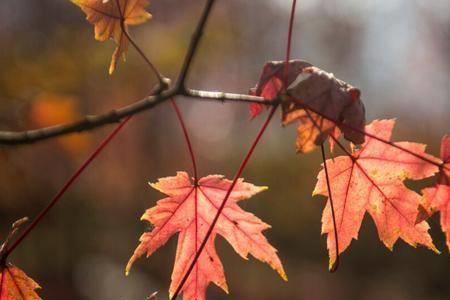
<point>49,109</point>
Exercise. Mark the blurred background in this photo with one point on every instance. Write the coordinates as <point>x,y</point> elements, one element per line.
<point>52,70</point>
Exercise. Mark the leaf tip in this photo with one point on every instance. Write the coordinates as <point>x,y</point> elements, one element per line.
<point>111,69</point>
<point>154,185</point>
<point>332,267</point>
<point>331,264</point>
<point>263,188</point>
<point>315,192</point>
<point>129,265</point>
<point>225,288</point>
<point>283,275</point>
<point>434,249</point>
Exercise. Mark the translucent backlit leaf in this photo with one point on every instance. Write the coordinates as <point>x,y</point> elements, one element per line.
<point>189,210</point>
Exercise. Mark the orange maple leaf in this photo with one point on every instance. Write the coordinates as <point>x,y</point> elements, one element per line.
<point>189,210</point>
<point>437,198</point>
<point>16,285</point>
<point>371,179</point>
<point>106,18</point>
<point>310,95</point>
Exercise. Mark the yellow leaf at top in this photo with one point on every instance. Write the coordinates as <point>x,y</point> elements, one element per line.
<point>106,18</point>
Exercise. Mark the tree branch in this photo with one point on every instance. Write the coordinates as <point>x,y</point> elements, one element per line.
<point>91,122</point>
<point>223,96</point>
<point>195,40</point>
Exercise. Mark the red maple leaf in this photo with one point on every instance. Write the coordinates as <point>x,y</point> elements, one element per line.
<point>444,176</point>
<point>371,179</point>
<point>317,101</point>
<point>437,198</point>
<point>189,210</point>
<point>16,285</point>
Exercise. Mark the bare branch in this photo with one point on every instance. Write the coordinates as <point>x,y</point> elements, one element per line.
<point>88,123</point>
<point>223,96</point>
<point>114,116</point>
<point>95,121</point>
<point>196,37</point>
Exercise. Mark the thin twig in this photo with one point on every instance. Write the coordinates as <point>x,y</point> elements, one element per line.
<point>289,45</point>
<point>186,137</point>
<point>61,192</point>
<point>196,37</point>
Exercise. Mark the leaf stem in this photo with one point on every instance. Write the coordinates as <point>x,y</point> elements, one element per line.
<point>195,41</point>
<point>162,80</point>
<point>289,44</point>
<point>186,137</point>
<point>335,265</point>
